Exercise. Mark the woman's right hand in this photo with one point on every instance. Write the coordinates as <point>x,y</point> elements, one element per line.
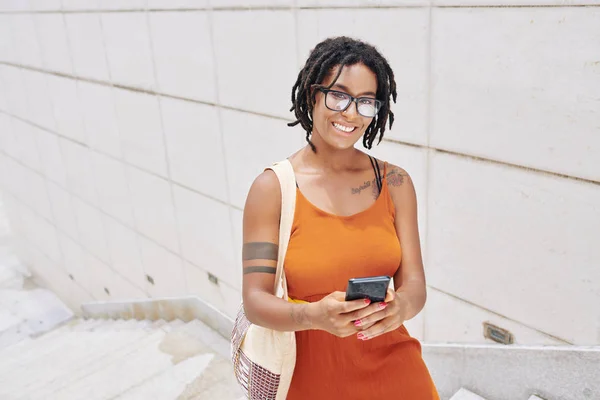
<point>335,315</point>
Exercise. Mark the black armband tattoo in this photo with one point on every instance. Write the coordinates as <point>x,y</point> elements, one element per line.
<point>260,251</point>
<point>266,270</point>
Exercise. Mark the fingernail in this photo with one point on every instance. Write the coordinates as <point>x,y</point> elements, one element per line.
<point>382,306</point>
<point>367,301</point>
<point>361,336</point>
<point>357,322</point>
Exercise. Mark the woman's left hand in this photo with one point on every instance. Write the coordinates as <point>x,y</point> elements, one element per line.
<point>390,318</point>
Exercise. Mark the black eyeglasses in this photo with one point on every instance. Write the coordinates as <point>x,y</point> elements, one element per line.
<point>340,101</point>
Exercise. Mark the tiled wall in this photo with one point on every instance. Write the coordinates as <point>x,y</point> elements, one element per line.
<point>130,133</point>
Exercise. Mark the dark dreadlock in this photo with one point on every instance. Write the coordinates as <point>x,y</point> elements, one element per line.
<point>322,59</point>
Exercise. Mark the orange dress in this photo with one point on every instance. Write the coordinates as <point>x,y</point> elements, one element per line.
<point>324,251</point>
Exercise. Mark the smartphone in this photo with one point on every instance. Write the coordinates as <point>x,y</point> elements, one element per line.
<point>373,288</point>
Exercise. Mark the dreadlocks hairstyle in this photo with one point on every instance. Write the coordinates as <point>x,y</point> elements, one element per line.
<point>342,51</point>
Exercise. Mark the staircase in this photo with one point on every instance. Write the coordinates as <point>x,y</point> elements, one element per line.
<point>119,359</point>
<point>46,353</point>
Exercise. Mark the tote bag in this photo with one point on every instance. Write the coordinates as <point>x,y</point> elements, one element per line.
<point>264,359</point>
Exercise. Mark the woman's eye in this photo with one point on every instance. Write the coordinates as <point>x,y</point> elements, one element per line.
<point>368,102</point>
<point>339,96</point>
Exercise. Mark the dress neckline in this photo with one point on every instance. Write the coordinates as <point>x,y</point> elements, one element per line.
<point>366,210</point>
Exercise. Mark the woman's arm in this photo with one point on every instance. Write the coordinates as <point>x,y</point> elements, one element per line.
<point>259,255</point>
<point>409,280</point>
<point>261,239</point>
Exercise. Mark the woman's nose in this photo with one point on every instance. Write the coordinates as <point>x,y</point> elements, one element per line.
<point>351,111</point>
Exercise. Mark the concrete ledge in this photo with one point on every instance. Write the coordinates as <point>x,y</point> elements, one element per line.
<point>187,309</point>
<point>516,372</point>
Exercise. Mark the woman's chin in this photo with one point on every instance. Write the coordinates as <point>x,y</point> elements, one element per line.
<point>342,142</point>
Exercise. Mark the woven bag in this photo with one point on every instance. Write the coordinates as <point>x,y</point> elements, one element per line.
<point>264,359</point>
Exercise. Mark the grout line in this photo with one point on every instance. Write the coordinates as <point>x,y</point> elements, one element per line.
<point>105,214</point>
<point>296,7</point>
<point>35,136</point>
<point>166,158</point>
<point>126,171</point>
<point>142,90</point>
<point>495,162</point>
<point>499,315</point>
<point>495,6</point>
<point>220,121</point>
<point>125,162</point>
<point>428,112</point>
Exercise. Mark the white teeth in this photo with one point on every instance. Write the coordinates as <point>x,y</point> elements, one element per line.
<point>343,128</point>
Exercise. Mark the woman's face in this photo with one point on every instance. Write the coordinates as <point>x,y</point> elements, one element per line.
<point>342,129</point>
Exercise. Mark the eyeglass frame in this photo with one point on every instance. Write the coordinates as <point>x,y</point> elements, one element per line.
<point>326,90</point>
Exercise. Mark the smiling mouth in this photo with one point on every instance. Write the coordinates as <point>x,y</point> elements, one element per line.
<point>343,128</point>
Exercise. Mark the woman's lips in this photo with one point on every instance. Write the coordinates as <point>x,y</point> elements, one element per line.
<point>343,129</point>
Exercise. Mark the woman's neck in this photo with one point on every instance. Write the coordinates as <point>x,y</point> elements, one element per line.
<point>330,159</point>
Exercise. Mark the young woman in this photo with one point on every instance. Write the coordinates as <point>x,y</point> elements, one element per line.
<point>355,217</point>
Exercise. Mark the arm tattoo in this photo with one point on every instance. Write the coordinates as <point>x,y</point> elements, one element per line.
<point>298,314</point>
<point>266,270</point>
<point>395,177</point>
<point>260,251</point>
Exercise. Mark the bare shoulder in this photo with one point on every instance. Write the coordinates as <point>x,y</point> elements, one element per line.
<point>400,185</point>
<point>264,196</point>
<point>396,176</point>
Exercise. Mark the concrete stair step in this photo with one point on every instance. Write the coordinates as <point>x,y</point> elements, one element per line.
<point>23,348</point>
<point>53,341</point>
<point>10,275</point>
<point>159,323</point>
<point>39,311</point>
<point>14,334</point>
<point>199,330</point>
<point>110,325</point>
<point>77,349</point>
<point>215,382</point>
<point>86,325</point>
<point>171,382</point>
<point>86,364</point>
<point>171,325</point>
<point>464,394</point>
<point>123,370</point>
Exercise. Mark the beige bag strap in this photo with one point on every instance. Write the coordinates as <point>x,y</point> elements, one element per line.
<point>287,181</point>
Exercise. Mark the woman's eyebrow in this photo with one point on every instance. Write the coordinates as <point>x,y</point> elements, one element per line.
<point>344,88</point>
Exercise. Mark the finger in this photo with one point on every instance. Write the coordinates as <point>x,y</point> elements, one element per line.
<point>370,319</point>
<point>390,295</point>
<point>353,305</point>
<point>365,326</point>
<point>380,328</point>
<point>366,312</point>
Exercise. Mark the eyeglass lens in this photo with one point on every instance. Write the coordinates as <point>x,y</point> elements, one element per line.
<point>338,101</point>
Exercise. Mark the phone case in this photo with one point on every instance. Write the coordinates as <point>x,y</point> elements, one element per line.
<point>372,288</point>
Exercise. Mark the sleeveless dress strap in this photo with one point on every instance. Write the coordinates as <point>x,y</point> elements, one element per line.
<point>377,173</point>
